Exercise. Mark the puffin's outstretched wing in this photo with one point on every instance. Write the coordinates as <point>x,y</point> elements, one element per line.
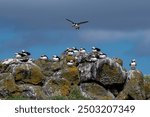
<point>83,22</point>
<point>70,21</point>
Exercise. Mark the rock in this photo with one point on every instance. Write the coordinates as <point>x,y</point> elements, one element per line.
<point>7,85</point>
<point>71,74</point>
<point>30,92</point>
<point>57,87</point>
<point>118,60</point>
<point>68,58</point>
<point>27,73</point>
<point>3,68</point>
<point>45,66</point>
<point>134,88</point>
<point>147,89</point>
<point>105,71</point>
<point>95,91</point>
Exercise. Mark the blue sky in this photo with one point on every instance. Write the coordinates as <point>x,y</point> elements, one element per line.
<point>120,28</point>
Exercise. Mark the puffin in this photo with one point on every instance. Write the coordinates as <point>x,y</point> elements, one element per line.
<point>76,25</point>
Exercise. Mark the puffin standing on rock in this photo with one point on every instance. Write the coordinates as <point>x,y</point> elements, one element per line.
<point>70,63</point>
<point>82,50</point>
<point>26,53</point>
<point>55,58</point>
<point>94,49</point>
<point>43,57</point>
<point>22,56</point>
<point>133,64</point>
<point>102,55</point>
<point>94,58</point>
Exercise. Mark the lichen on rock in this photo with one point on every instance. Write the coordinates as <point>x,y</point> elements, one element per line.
<point>96,92</point>
<point>28,73</point>
<point>57,87</point>
<point>7,85</point>
<point>134,88</point>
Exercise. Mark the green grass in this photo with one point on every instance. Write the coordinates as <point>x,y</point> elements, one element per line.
<point>74,94</point>
<point>16,98</point>
<point>147,78</point>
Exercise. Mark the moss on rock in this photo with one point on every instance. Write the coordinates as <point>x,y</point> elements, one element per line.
<point>7,84</point>
<point>95,91</point>
<point>28,73</point>
<point>71,74</point>
<point>57,87</point>
<point>147,89</point>
<point>134,88</point>
<point>29,91</point>
<point>110,75</point>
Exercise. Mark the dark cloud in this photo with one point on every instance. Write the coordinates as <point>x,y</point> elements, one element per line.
<point>50,14</point>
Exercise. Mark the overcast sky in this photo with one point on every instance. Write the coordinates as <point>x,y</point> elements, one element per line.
<point>120,27</point>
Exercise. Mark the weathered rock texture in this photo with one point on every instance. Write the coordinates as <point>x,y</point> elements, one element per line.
<point>104,79</point>
<point>134,88</point>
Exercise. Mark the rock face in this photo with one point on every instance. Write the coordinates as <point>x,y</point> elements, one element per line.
<point>134,88</point>
<point>95,91</point>
<point>26,73</point>
<point>30,92</point>
<point>7,84</point>
<point>103,79</point>
<point>57,87</point>
<point>147,89</point>
<point>20,79</point>
<point>105,72</point>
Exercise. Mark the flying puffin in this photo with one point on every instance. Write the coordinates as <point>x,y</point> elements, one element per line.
<point>76,25</point>
<point>133,64</point>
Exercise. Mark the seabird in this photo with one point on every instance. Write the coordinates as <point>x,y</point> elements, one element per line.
<point>55,58</point>
<point>19,55</point>
<point>26,53</point>
<point>75,50</point>
<point>133,64</point>
<point>102,55</point>
<point>94,49</point>
<point>70,52</point>
<point>43,57</point>
<point>82,50</point>
<point>94,58</point>
<point>76,25</point>
<point>70,63</point>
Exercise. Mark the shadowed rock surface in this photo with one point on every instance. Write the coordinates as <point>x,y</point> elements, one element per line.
<point>134,88</point>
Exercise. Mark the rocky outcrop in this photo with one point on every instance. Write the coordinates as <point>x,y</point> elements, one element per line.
<point>26,73</point>
<point>103,79</point>
<point>96,92</point>
<point>57,87</point>
<point>105,72</point>
<point>29,91</point>
<point>147,89</point>
<point>7,85</point>
<point>134,87</point>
